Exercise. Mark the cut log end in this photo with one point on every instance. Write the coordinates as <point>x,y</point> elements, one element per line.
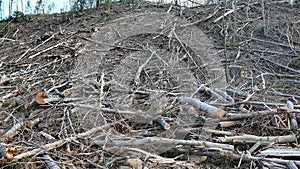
<point>40,96</point>
<point>217,114</point>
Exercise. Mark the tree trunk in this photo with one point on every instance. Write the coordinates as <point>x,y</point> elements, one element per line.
<point>97,4</point>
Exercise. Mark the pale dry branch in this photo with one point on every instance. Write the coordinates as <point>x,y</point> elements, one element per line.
<point>46,135</point>
<point>291,165</point>
<point>46,50</point>
<point>211,111</point>
<point>29,49</point>
<point>46,147</point>
<point>11,79</point>
<point>221,95</point>
<point>50,162</point>
<point>13,131</point>
<point>59,143</point>
<point>254,147</point>
<point>185,49</point>
<point>31,123</point>
<point>252,138</point>
<point>225,14</point>
<point>281,152</point>
<point>159,140</point>
<point>164,124</point>
<point>293,118</point>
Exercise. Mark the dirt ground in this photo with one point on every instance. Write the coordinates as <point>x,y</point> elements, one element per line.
<point>121,87</point>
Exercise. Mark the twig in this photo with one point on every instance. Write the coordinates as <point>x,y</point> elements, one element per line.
<point>22,56</point>
<point>7,39</point>
<point>263,15</point>
<point>225,35</point>
<point>269,104</point>
<point>184,48</point>
<point>156,55</point>
<point>202,20</point>
<point>225,124</point>
<point>140,69</point>
<point>67,112</point>
<point>56,87</point>
<point>278,64</point>
<point>95,165</point>
<point>13,93</point>
<point>234,21</point>
<point>101,90</point>
<point>241,159</point>
<point>42,97</point>
<point>285,95</point>
<point>224,95</point>
<point>130,91</point>
<point>266,41</point>
<point>101,95</point>
<point>218,132</point>
<point>42,66</point>
<point>46,135</point>
<point>225,14</point>
<point>221,95</point>
<point>237,92</point>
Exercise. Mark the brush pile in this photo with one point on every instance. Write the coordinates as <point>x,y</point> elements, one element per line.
<point>152,86</point>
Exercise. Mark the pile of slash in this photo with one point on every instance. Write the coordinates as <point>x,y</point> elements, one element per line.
<point>257,126</point>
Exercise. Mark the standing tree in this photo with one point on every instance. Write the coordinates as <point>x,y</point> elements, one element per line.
<point>22,9</point>
<point>17,5</point>
<point>50,7</point>
<point>10,8</point>
<point>82,2</point>
<point>39,6</point>
<point>28,7</point>
<point>98,2</point>
<point>1,11</point>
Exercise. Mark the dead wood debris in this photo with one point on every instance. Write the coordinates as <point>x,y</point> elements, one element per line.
<point>252,123</point>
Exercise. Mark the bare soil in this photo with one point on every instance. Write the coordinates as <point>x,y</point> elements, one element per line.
<point>117,75</point>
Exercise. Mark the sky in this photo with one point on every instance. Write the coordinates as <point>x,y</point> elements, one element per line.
<point>62,5</point>
<point>58,5</point>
